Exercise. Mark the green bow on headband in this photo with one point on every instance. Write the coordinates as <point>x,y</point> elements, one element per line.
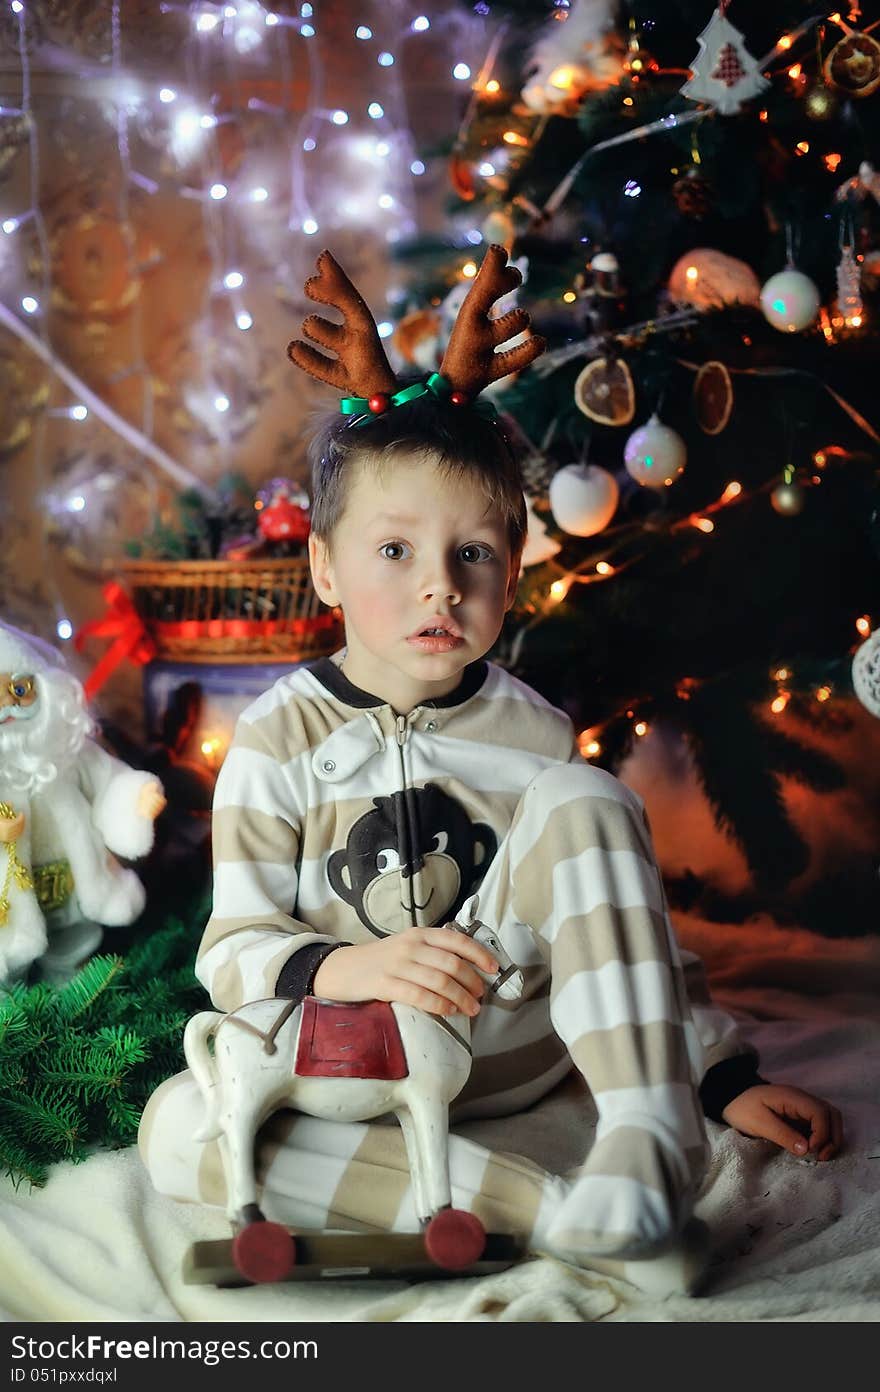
<point>436,384</point>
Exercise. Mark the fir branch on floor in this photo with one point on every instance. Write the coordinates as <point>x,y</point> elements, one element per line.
<point>78,1062</point>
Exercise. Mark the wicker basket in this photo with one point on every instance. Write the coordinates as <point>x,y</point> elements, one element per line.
<point>232,611</point>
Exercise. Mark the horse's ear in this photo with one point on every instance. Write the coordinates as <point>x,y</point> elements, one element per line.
<point>469,911</point>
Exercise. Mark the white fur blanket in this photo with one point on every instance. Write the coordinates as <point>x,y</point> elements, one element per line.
<point>791,1240</point>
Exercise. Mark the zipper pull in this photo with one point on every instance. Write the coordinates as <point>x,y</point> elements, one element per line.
<point>401,730</point>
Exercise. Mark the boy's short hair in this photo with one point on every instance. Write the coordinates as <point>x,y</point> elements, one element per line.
<point>459,440</point>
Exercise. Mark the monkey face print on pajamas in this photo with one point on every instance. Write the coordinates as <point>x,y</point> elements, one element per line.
<point>414,850</point>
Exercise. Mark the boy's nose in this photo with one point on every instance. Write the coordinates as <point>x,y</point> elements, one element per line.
<point>442,591</point>
<point>440,583</point>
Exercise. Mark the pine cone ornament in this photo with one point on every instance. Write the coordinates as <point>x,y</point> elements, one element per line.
<point>693,194</point>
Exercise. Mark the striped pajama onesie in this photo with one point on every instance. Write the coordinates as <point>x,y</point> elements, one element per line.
<point>337,820</point>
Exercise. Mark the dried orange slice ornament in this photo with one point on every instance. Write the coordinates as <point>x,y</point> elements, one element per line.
<point>853,65</point>
<point>604,391</point>
<point>713,397</point>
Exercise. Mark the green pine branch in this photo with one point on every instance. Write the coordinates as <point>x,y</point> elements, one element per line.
<point>78,1062</point>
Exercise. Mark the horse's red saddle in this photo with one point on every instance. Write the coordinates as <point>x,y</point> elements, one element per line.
<point>349,1039</point>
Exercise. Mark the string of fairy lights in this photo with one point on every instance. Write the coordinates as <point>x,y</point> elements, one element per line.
<point>375,170</point>
<point>373,188</point>
<point>590,740</point>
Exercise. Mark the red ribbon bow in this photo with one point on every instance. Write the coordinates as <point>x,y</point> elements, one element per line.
<point>124,625</point>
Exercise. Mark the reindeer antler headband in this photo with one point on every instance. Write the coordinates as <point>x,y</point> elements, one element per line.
<point>362,371</point>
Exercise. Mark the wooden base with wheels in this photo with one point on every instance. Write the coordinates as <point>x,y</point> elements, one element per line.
<point>339,1256</point>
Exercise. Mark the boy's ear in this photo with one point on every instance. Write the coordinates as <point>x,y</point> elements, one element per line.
<point>321,567</point>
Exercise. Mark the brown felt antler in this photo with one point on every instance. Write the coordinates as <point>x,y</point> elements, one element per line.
<point>360,367</point>
<point>470,362</point>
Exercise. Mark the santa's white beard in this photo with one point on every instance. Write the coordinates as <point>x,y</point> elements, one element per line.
<point>35,750</point>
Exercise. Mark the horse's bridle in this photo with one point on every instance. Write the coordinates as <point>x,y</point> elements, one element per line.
<point>504,975</point>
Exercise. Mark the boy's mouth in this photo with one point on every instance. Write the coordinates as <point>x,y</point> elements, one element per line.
<point>435,642</point>
<point>438,627</point>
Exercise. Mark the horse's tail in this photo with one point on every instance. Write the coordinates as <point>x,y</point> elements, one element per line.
<point>195,1046</point>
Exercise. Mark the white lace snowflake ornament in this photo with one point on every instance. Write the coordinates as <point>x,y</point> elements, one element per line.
<point>724,74</point>
<point>866,673</point>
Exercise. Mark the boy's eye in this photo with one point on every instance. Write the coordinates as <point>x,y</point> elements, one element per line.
<point>470,551</point>
<point>478,546</point>
<point>385,547</point>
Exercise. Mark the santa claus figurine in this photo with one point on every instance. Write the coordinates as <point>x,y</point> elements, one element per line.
<point>67,808</point>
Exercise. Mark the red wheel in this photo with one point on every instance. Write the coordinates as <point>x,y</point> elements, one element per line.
<point>454,1239</point>
<point>264,1252</point>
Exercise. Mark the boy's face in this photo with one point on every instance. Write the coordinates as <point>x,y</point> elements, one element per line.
<point>412,545</point>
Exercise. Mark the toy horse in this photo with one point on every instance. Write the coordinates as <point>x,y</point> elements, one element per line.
<point>344,1061</point>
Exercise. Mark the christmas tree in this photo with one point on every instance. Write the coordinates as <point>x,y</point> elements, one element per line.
<point>692,198</point>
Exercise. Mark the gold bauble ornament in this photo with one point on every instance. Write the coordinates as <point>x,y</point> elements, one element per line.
<point>788,499</point>
<point>820,103</point>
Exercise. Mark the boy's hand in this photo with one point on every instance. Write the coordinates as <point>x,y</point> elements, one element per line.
<point>429,968</point>
<point>795,1120</point>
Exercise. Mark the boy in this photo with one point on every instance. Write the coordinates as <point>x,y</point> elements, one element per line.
<point>367,796</point>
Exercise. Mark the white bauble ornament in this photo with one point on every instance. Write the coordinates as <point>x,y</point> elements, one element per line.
<point>866,673</point>
<point>583,498</point>
<point>654,454</point>
<point>790,300</point>
<point>707,279</point>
